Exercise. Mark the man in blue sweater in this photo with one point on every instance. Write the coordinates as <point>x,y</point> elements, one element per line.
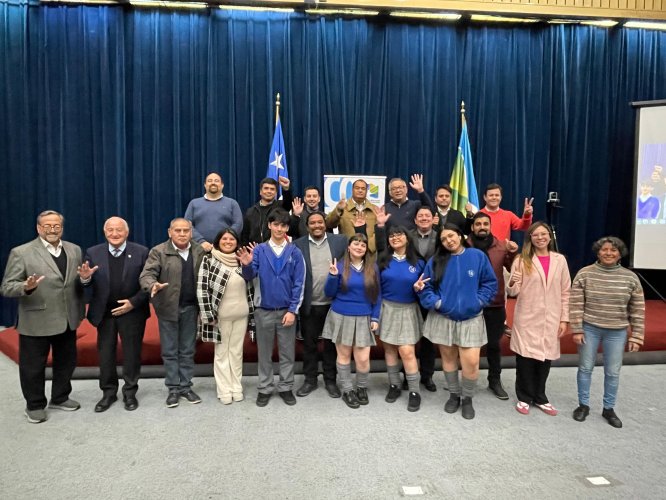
<point>280,267</point>
<point>213,212</point>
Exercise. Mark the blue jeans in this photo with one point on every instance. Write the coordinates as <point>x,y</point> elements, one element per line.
<point>177,341</point>
<point>613,342</point>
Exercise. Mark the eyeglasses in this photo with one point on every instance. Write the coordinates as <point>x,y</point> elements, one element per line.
<point>51,227</point>
<point>396,236</point>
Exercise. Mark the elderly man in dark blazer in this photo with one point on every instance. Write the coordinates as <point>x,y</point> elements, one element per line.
<point>44,275</point>
<point>318,249</point>
<point>117,306</point>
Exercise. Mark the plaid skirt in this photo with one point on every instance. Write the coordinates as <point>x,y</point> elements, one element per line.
<point>348,330</point>
<point>468,333</point>
<point>400,324</point>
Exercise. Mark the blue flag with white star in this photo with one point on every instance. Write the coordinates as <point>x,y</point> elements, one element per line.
<point>277,160</point>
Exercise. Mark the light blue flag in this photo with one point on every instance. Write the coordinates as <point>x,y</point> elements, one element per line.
<point>462,181</point>
<point>277,160</point>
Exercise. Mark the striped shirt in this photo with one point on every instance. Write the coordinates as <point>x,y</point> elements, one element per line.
<point>607,297</point>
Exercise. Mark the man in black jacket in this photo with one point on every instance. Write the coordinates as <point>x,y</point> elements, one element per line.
<point>255,223</point>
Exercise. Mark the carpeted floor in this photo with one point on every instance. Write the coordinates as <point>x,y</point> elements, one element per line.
<point>320,449</point>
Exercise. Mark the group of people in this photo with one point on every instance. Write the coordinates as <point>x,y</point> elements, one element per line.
<point>416,274</point>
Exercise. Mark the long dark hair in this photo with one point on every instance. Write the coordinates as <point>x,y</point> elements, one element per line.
<point>441,258</point>
<point>386,255</point>
<point>370,279</point>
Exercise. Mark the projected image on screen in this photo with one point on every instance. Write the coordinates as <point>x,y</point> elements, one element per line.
<point>649,238</point>
<point>651,185</point>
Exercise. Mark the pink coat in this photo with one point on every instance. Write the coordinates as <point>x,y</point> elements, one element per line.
<point>540,307</point>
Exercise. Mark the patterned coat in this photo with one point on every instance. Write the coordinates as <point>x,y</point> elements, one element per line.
<point>211,284</point>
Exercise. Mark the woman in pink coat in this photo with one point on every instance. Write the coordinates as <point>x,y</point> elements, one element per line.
<point>540,278</point>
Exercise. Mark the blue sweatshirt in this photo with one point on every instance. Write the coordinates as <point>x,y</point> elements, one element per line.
<point>281,279</point>
<point>468,286</point>
<point>354,301</point>
<point>209,217</point>
<point>398,280</point>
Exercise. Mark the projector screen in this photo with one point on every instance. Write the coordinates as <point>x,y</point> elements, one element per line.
<point>649,235</point>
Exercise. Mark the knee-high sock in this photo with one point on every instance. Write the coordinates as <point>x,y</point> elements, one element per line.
<point>393,374</point>
<point>413,381</point>
<point>344,376</point>
<point>362,378</point>
<point>453,382</point>
<point>468,387</point>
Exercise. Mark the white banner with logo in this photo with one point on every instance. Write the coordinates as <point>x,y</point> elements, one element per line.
<point>340,186</point>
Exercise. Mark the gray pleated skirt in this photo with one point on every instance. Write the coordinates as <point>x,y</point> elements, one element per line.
<point>400,324</point>
<point>441,330</point>
<point>348,330</point>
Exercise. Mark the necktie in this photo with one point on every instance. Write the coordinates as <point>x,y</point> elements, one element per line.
<point>116,252</point>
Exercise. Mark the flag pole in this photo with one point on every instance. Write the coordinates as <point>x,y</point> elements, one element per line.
<point>277,108</point>
<point>462,113</point>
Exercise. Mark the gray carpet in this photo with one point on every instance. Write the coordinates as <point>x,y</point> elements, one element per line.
<point>320,449</point>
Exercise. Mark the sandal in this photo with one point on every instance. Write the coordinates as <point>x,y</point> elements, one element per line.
<point>548,409</point>
<point>522,408</point>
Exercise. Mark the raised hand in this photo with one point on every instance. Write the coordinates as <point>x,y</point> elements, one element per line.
<point>125,307</point>
<point>341,204</point>
<point>85,271</point>
<point>333,268</point>
<point>284,182</point>
<point>32,282</point>
<point>157,288</point>
<point>382,216</point>
<point>528,209</point>
<point>419,285</point>
<point>359,218</point>
<point>511,246</point>
<point>245,254</point>
<point>297,207</point>
<point>417,183</point>
<point>435,220</point>
<point>469,209</point>
<point>206,246</point>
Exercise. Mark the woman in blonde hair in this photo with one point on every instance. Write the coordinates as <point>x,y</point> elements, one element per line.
<point>540,279</point>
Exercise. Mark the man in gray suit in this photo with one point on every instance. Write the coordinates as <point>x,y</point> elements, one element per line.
<point>44,275</point>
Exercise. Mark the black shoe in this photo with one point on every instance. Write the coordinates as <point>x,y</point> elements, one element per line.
<point>362,395</point>
<point>131,403</point>
<point>467,408</point>
<point>393,394</point>
<point>306,388</point>
<point>105,403</point>
<point>581,413</point>
<point>288,398</point>
<point>192,397</point>
<point>612,418</point>
<point>263,399</point>
<point>333,390</point>
<point>495,386</point>
<point>428,384</point>
<point>414,402</point>
<point>452,405</point>
<point>350,399</point>
<point>172,400</point>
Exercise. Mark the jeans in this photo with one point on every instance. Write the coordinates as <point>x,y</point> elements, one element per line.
<point>613,342</point>
<point>177,340</point>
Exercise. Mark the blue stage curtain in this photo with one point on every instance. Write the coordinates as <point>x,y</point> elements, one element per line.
<point>112,110</point>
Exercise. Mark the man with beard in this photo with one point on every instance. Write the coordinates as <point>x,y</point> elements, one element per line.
<point>255,223</point>
<point>500,254</point>
<point>301,209</point>
<point>444,211</point>
<point>213,212</point>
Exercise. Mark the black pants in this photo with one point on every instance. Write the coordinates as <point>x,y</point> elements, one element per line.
<point>531,376</point>
<point>130,327</point>
<point>426,353</point>
<point>494,318</point>
<point>311,326</point>
<point>33,353</point>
